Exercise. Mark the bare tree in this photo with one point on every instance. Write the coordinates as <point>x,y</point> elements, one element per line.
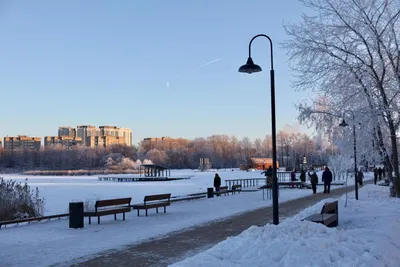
<point>347,53</point>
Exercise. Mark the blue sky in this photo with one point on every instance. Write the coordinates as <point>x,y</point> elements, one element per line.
<point>137,64</point>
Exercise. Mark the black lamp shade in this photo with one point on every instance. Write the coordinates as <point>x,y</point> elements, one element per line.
<point>343,123</point>
<point>250,67</point>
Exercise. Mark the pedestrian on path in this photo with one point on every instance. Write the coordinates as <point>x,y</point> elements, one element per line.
<point>217,182</point>
<point>268,175</point>
<point>380,173</point>
<point>303,176</point>
<point>375,175</point>
<point>314,181</point>
<point>327,179</point>
<point>360,177</point>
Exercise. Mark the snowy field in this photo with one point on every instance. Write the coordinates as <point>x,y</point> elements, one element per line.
<point>58,191</point>
<point>368,235</point>
<point>53,242</point>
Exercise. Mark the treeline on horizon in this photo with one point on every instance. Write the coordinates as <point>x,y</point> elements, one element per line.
<point>223,151</point>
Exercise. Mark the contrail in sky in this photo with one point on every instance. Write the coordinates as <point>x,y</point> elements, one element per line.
<point>208,63</point>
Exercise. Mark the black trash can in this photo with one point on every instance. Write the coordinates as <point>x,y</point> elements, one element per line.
<point>76,215</point>
<point>210,192</point>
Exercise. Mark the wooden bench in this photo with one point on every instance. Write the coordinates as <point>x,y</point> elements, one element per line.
<point>222,190</point>
<point>329,215</point>
<point>154,201</point>
<point>236,188</point>
<point>109,207</point>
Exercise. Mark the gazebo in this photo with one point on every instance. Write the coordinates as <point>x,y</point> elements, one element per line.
<point>153,170</point>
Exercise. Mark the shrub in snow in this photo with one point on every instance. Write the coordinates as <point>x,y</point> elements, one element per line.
<point>116,161</point>
<point>18,201</point>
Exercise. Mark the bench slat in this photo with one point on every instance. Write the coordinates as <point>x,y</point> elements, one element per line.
<point>151,205</point>
<point>329,208</point>
<point>157,197</point>
<point>113,202</point>
<point>106,212</point>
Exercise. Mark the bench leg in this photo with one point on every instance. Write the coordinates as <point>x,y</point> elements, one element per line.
<point>123,216</point>
<point>157,209</point>
<point>115,217</point>
<point>146,212</point>
<point>89,220</point>
<point>138,212</point>
<point>165,209</point>
<point>98,219</point>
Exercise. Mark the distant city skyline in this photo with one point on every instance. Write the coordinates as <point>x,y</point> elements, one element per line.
<point>164,69</point>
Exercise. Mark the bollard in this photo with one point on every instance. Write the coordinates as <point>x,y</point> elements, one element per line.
<point>76,215</point>
<point>210,192</point>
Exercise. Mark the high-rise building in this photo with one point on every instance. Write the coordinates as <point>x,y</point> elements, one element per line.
<point>126,133</point>
<point>65,141</point>
<point>66,131</point>
<point>84,131</point>
<point>21,143</point>
<point>104,141</point>
<point>109,130</point>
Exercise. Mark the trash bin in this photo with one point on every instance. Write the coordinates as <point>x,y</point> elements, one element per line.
<point>76,215</point>
<point>210,192</point>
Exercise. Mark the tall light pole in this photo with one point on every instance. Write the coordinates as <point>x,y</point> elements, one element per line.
<point>249,68</point>
<point>344,124</point>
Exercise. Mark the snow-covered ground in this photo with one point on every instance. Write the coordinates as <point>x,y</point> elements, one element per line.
<point>52,242</point>
<point>368,235</point>
<point>58,191</point>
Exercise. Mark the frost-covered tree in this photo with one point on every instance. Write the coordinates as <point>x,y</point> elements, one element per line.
<point>348,54</point>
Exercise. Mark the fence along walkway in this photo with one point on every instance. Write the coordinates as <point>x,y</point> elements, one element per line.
<point>251,182</point>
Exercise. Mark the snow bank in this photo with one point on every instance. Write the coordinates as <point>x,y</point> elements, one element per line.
<point>368,235</point>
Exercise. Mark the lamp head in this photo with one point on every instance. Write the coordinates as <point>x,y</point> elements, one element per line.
<point>250,67</point>
<point>343,123</point>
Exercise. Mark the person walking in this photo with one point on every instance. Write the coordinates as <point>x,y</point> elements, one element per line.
<point>360,177</point>
<point>380,173</point>
<point>268,175</point>
<point>327,179</point>
<point>293,177</point>
<point>303,176</point>
<point>217,182</point>
<point>375,175</point>
<point>314,181</point>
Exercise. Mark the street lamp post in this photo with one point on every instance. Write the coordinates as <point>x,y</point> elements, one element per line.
<point>344,124</point>
<point>249,68</point>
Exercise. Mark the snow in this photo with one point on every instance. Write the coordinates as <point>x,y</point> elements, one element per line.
<point>53,242</point>
<point>58,191</point>
<point>368,235</point>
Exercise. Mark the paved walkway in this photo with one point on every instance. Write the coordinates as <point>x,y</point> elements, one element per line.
<point>179,245</point>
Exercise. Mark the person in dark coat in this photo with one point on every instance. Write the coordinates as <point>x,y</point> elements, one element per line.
<point>375,175</point>
<point>380,173</point>
<point>314,181</point>
<point>268,175</point>
<point>327,179</point>
<point>360,177</point>
<point>217,182</point>
<point>303,176</point>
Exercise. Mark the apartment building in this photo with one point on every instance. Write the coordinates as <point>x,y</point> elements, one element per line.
<point>21,143</point>
<point>65,141</point>
<point>126,133</point>
<point>84,131</point>
<point>66,131</point>
<point>104,141</point>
